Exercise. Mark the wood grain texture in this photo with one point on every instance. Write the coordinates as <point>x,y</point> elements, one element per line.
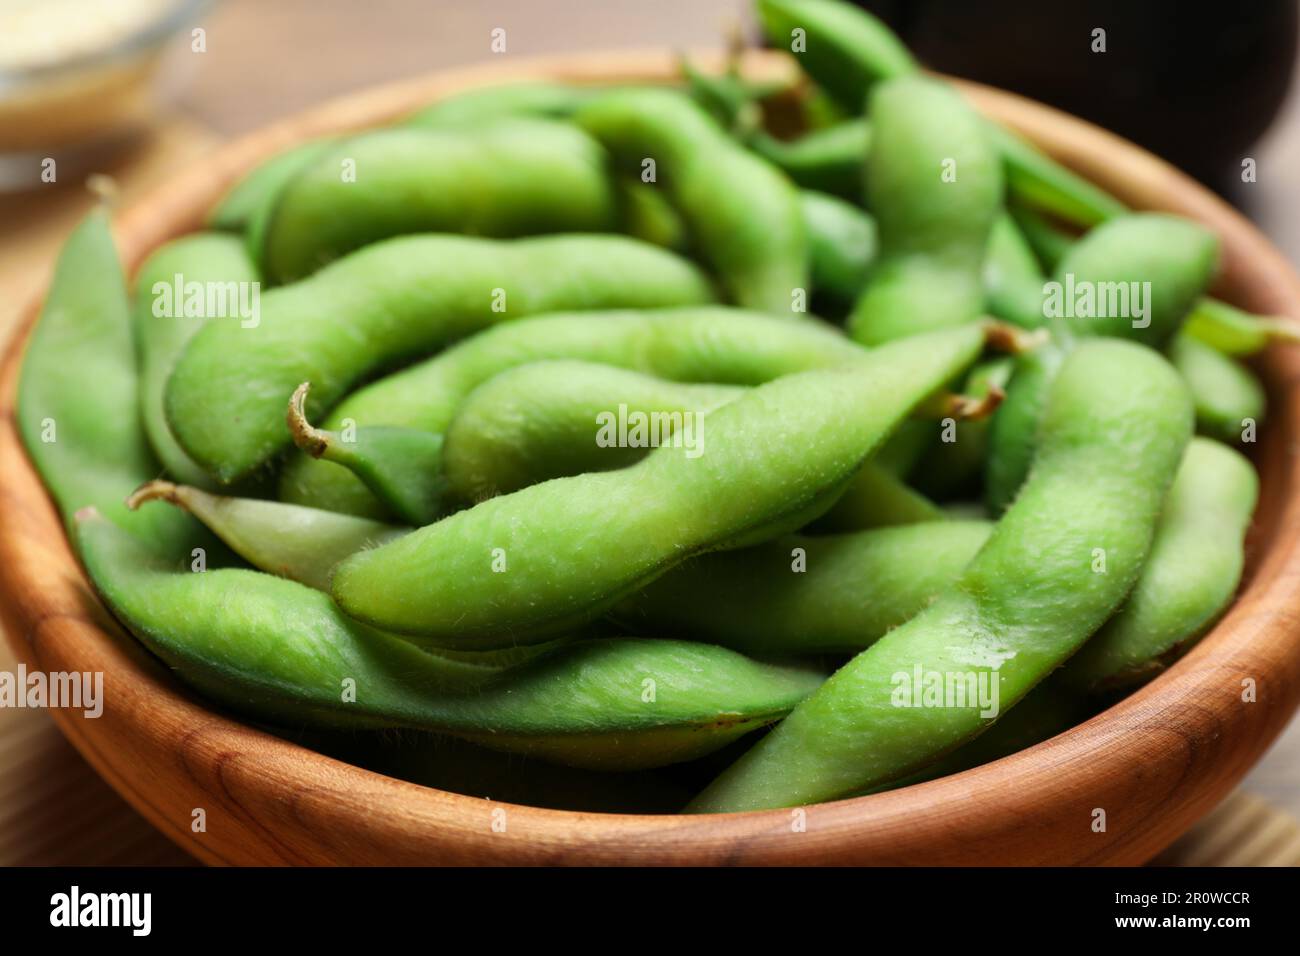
<point>1155,763</point>
<point>1242,831</point>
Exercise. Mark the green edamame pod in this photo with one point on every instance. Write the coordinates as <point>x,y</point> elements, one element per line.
<point>1135,277</point>
<point>1190,577</point>
<point>842,47</point>
<point>647,215</point>
<point>248,203</point>
<point>875,498</point>
<point>402,467</point>
<point>743,216</point>
<point>807,595</point>
<point>1047,710</point>
<point>302,544</point>
<point>561,417</point>
<point>841,236</point>
<point>1038,181</point>
<point>827,160</point>
<point>498,576</point>
<point>935,188</point>
<point>78,394</point>
<point>214,263</point>
<point>1013,281</point>
<point>1229,400</point>
<point>1117,422</point>
<point>1013,434</point>
<point>555,418</point>
<point>280,651</point>
<point>512,177</point>
<point>1236,332</point>
<point>710,344</point>
<point>1049,242</point>
<point>842,244</point>
<point>390,302</point>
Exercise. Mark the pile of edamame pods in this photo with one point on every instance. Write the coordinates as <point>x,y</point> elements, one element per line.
<point>946,444</point>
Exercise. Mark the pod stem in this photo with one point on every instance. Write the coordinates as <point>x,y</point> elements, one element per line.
<point>963,408</point>
<point>1012,339</point>
<point>104,188</point>
<point>157,490</point>
<point>306,436</point>
<point>970,408</point>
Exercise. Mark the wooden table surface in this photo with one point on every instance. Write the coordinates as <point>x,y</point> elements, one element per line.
<point>267,60</point>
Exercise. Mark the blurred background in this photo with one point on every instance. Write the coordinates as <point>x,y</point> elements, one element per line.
<point>139,89</point>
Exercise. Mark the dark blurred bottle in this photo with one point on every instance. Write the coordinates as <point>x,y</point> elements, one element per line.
<point>1194,82</point>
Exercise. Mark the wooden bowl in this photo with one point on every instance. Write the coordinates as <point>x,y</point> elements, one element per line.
<point>1153,763</point>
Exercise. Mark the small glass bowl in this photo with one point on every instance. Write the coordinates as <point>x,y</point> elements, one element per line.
<point>89,78</point>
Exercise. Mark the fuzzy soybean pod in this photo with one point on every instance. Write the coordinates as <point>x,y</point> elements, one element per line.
<point>841,237</point>
<point>519,567</point>
<point>1049,242</point>
<point>564,417</point>
<point>201,273</point>
<point>742,215</point>
<point>842,245</point>
<point>247,206</point>
<point>875,498</point>
<point>844,48</point>
<point>807,595</point>
<point>512,177</point>
<point>1057,565</point>
<point>401,467</point>
<point>1039,182</point>
<point>1135,277</point>
<point>1189,578</point>
<point>935,187</point>
<point>302,544</point>
<point>703,344</point>
<point>1047,710</point>
<point>279,651</point>
<point>555,418</point>
<point>1013,280</point>
<point>393,301</point>
<point>827,160</point>
<point>1013,434</point>
<point>550,419</point>
<point>79,396</point>
<point>1236,332</point>
<point>1229,400</point>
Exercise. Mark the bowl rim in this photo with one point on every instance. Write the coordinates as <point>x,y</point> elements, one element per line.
<point>1156,761</point>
